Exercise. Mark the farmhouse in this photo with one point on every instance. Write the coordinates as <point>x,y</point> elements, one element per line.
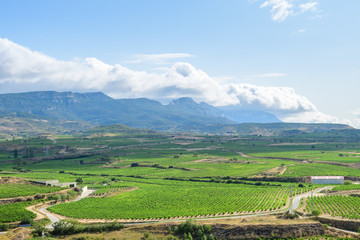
<point>327,179</point>
<point>55,183</point>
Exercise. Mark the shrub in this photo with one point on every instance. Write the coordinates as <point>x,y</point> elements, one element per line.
<point>54,197</point>
<point>291,216</point>
<point>62,228</point>
<point>207,228</point>
<point>4,226</point>
<point>39,196</point>
<point>79,180</point>
<point>27,220</point>
<point>135,164</point>
<point>29,199</point>
<point>316,213</point>
<point>39,230</point>
<point>63,197</point>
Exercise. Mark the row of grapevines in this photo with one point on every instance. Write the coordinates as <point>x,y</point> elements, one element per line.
<point>166,201</point>
<point>15,212</point>
<point>111,189</point>
<point>9,190</point>
<point>336,205</point>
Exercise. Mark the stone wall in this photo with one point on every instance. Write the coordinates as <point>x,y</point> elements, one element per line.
<point>223,231</point>
<point>351,225</point>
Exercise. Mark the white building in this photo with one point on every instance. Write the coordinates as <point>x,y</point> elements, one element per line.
<point>55,183</point>
<point>327,179</point>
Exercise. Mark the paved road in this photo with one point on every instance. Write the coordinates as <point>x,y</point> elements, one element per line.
<point>54,218</point>
<point>296,201</point>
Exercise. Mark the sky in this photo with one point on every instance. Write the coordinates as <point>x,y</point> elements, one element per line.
<point>297,59</point>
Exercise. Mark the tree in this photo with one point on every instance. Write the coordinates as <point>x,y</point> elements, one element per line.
<point>62,228</point>
<point>316,213</point>
<point>63,197</point>
<point>79,180</point>
<point>16,153</point>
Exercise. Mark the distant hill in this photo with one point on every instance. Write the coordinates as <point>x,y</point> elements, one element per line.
<point>11,126</point>
<point>275,129</point>
<point>118,129</point>
<point>99,109</point>
<point>32,113</point>
<point>248,116</point>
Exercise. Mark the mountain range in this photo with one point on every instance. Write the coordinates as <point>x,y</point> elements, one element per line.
<point>100,109</point>
<point>80,111</point>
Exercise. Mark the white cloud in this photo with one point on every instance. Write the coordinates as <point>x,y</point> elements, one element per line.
<point>158,58</point>
<point>282,9</point>
<point>271,98</point>
<point>24,70</point>
<point>355,123</point>
<point>270,75</point>
<point>310,6</point>
<point>301,30</point>
<point>356,112</point>
<point>307,117</point>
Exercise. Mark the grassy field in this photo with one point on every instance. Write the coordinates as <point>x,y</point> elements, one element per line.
<point>177,175</point>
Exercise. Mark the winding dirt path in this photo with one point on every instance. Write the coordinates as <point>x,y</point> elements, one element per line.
<point>54,217</point>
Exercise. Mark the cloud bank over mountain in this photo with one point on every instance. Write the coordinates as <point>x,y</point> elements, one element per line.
<point>22,69</point>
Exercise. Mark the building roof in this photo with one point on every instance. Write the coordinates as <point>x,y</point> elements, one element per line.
<point>327,177</point>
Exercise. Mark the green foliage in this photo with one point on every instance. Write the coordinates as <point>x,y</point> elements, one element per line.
<point>178,198</point>
<point>68,227</point>
<point>210,177</point>
<point>54,197</point>
<point>346,187</point>
<point>79,180</point>
<point>63,228</point>
<point>316,213</point>
<point>347,183</point>
<point>336,205</point>
<point>9,190</point>
<point>27,220</point>
<point>15,212</point>
<point>4,226</point>
<point>191,230</point>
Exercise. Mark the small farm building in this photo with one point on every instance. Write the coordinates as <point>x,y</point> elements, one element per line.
<point>55,183</point>
<point>327,179</point>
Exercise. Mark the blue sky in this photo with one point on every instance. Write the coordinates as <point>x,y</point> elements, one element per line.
<point>298,59</point>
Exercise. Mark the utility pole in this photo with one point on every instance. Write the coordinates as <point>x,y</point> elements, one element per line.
<point>47,151</point>
<point>312,201</point>
<point>92,192</point>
